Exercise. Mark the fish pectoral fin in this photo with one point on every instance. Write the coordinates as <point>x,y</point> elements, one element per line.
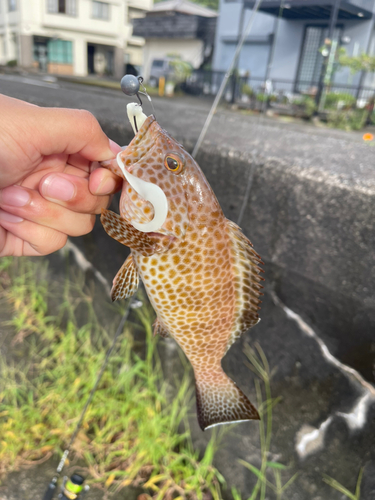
<point>220,401</point>
<point>122,231</point>
<point>126,280</point>
<point>160,329</point>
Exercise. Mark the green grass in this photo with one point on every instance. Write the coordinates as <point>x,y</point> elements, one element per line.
<point>55,343</point>
<point>131,432</point>
<point>339,487</point>
<point>270,474</point>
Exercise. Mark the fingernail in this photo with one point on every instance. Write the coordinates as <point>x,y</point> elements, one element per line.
<point>115,148</point>
<point>6,217</point>
<point>107,186</point>
<point>105,163</point>
<point>14,196</point>
<point>56,187</point>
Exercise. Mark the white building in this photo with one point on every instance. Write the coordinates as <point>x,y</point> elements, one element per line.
<point>71,36</point>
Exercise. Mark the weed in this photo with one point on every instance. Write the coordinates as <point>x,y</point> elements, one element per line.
<point>339,487</point>
<point>130,433</point>
<point>259,365</point>
<point>352,119</point>
<point>337,100</point>
<point>307,103</point>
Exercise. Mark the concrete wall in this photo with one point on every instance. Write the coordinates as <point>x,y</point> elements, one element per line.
<point>255,54</point>
<point>311,216</point>
<point>287,50</point>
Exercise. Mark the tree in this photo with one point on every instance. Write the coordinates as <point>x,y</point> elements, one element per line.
<point>365,63</point>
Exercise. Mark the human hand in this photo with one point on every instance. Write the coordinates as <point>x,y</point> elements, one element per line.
<point>51,185</point>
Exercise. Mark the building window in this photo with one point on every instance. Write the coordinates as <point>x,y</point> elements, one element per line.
<point>60,51</point>
<point>68,7</point>
<point>12,5</point>
<point>310,66</point>
<point>100,10</point>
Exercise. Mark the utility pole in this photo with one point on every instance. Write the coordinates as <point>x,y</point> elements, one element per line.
<point>235,68</point>
<point>272,54</point>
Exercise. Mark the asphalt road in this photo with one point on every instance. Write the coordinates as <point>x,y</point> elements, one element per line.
<point>104,103</point>
<point>320,151</point>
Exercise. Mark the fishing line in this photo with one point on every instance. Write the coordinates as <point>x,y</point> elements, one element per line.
<point>52,486</point>
<point>226,78</point>
<point>260,117</point>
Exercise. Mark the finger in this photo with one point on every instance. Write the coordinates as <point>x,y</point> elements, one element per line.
<point>102,181</point>
<point>72,192</point>
<point>21,237</point>
<point>32,181</point>
<point>77,160</point>
<point>47,131</point>
<point>72,131</point>
<point>28,204</point>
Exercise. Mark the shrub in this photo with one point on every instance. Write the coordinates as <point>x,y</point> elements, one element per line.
<point>334,100</point>
<point>308,103</point>
<point>353,119</point>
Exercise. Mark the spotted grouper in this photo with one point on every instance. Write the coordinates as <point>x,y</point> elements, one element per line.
<point>200,272</point>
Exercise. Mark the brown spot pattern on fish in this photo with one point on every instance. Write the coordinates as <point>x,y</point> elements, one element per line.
<point>203,283</point>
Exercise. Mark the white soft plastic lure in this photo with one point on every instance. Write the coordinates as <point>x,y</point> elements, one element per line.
<point>147,190</point>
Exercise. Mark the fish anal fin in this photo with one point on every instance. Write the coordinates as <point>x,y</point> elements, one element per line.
<point>160,329</point>
<point>123,232</point>
<point>220,401</point>
<point>245,263</point>
<point>126,280</point>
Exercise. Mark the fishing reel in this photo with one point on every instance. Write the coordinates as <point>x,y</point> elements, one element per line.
<point>71,489</point>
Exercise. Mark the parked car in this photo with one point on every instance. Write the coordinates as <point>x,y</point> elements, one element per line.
<point>160,67</point>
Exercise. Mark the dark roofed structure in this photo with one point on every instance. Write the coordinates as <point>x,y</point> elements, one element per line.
<point>177,19</point>
<point>316,9</point>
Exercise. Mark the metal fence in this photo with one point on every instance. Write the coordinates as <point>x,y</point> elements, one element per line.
<point>253,90</point>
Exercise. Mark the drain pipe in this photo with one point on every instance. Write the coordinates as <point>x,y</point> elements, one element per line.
<point>332,24</point>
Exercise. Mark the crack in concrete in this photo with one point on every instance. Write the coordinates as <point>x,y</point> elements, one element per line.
<point>309,439</point>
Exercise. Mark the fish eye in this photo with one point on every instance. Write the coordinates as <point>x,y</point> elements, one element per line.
<point>173,163</point>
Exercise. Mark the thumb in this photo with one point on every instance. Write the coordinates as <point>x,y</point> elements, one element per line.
<point>47,131</point>
<point>72,131</point>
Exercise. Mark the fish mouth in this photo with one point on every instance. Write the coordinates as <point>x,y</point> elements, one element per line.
<point>140,145</point>
<point>151,193</point>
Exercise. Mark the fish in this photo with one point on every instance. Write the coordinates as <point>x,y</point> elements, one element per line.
<point>200,272</point>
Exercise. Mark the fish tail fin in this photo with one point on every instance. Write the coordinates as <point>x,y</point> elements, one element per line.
<point>220,401</point>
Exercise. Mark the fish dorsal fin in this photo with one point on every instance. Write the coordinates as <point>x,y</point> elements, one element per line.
<point>245,262</point>
<point>126,280</point>
<point>160,329</point>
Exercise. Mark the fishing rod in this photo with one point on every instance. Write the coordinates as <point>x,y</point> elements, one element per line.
<point>73,488</point>
<point>227,75</point>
